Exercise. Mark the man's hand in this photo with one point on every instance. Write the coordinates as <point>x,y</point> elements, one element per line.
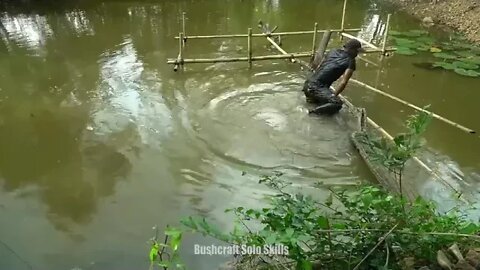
<point>346,77</point>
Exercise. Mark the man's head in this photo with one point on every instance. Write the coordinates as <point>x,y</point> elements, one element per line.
<point>353,47</point>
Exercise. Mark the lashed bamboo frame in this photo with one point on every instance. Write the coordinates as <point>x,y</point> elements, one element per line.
<point>183,37</point>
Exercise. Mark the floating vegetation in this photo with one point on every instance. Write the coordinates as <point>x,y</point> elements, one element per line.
<point>455,54</point>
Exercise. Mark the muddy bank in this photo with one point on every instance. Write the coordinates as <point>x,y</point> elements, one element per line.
<point>462,15</point>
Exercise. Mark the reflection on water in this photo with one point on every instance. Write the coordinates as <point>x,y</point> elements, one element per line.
<point>101,140</point>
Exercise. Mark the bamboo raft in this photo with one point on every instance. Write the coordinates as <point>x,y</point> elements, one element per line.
<point>420,179</point>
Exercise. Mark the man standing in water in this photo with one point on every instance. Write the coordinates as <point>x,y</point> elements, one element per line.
<point>337,63</point>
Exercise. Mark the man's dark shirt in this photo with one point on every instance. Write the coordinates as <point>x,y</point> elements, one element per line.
<point>332,68</point>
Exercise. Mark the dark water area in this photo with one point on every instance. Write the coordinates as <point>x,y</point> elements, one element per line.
<point>100,140</point>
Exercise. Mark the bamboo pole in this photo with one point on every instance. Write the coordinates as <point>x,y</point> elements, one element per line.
<point>239,59</point>
<point>350,30</point>
<point>245,59</point>
<point>314,42</point>
<point>342,27</point>
<point>250,47</point>
<point>385,36</point>
<point>179,61</point>
<point>321,49</point>
<point>362,41</point>
<point>436,116</point>
<point>184,29</point>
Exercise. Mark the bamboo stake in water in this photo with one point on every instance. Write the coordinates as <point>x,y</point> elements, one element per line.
<point>184,29</point>
<point>385,36</point>
<point>250,47</point>
<point>343,18</point>
<point>436,116</point>
<point>314,43</point>
<point>179,60</point>
<point>321,49</point>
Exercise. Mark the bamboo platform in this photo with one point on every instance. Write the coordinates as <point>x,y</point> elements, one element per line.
<point>270,35</point>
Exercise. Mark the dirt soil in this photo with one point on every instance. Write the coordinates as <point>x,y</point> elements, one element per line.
<point>462,15</point>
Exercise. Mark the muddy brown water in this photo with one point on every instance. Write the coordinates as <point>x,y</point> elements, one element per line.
<point>100,140</point>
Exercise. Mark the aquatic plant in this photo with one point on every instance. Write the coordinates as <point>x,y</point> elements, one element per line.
<point>457,54</point>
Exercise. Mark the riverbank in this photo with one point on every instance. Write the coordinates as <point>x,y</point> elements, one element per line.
<point>462,15</point>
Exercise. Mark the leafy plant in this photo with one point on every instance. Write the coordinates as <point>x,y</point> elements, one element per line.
<point>169,249</point>
<point>393,155</point>
<point>363,229</point>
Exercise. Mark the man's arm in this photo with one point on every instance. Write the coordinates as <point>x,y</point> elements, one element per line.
<point>346,77</point>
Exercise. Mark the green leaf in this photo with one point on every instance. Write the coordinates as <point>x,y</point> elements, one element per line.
<point>322,222</point>
<point>426,40</point>
<point>474,60</point>
<point>444,65</point>
<point>289,232</point>
<point>470,228</point>
<point>153,253</point>
<point>339,226</point>
<point>465,65</point>
<point>464,53</point>
<point>435,50</point>
<point>307,265</point>
<point>445,55</point>
<point>271,239</point>
<point>468,73</point>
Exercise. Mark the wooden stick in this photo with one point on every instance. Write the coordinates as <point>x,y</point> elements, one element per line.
<point>250,47</point>
<point>321,49</point>
<point>351,30</point>
<point>314,43</point>
<point>239,59</point>
<point>362,41</point>
<point>436,116</point>
<point>343,17</point>
<point>184,29</point>
<point>385,36</point>
<point>376,246</point>
<point>254,58</point>
<point>179,60</point>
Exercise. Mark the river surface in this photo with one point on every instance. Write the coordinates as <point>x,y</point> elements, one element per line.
<point>100,140</point>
